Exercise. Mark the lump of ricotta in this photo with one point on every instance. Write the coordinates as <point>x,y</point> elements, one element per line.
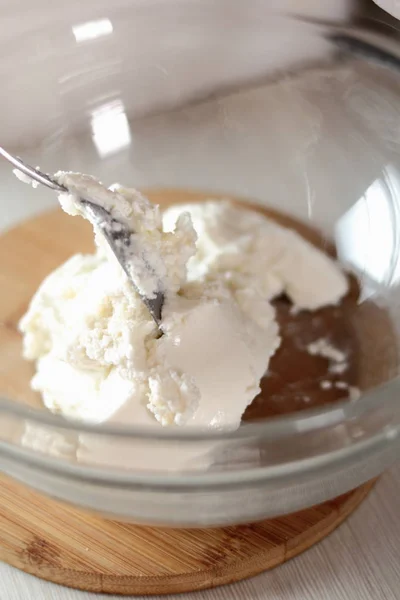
<point>96,347</point>
<point>247,250</point>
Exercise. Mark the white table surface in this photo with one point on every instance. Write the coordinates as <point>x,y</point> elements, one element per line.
<point>359,561</point>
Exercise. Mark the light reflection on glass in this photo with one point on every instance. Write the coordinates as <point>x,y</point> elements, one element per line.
<point>110,128</point>
<point>92,30</point>
<point>367,235</point>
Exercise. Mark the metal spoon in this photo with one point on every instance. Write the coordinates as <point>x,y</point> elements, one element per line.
<point>116,233</point>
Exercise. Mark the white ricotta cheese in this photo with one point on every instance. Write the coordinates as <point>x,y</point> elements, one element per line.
<point>95,344</point>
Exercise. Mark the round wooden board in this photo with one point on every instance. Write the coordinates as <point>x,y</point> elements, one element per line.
<point>74,548</point>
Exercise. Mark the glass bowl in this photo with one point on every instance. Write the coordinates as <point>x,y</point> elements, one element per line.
<point>293,107</point>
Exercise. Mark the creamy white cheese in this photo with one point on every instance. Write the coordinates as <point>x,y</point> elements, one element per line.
<point>166,252</point>
<point>245,249</point>
<point>96,347</point>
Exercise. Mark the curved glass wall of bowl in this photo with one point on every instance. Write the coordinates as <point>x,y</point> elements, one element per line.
<point>298,463</point>
<point>276,111</point>
<point>367,238</point>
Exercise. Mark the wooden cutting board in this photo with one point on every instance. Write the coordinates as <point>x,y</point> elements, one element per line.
<point>74,548</point>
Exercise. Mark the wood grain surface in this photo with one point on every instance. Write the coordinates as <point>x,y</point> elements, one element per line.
<point>65,545</point>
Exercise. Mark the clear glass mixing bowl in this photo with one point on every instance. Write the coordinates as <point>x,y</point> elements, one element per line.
<point>298,111</point>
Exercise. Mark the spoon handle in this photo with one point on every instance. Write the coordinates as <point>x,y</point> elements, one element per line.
<point>35,174</point>
<point>116,234</point>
